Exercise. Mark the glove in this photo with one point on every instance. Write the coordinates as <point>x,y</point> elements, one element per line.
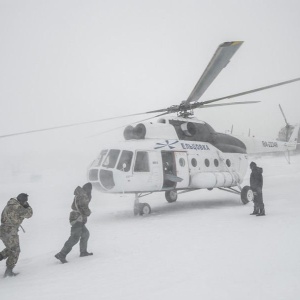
<point>25,204</point>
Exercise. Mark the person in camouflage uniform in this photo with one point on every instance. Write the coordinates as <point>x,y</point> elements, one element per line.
<point>16,210</point>
<point>78,218</point>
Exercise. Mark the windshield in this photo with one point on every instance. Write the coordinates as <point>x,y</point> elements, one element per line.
<point>125,161</point>
<point>97,162</point>
<point>111,158</point>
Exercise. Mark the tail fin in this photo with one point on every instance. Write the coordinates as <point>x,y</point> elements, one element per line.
<point>292,143</point>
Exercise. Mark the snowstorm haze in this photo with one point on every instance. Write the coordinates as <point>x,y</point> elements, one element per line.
<point>71,61</point>
<point>64,62</point>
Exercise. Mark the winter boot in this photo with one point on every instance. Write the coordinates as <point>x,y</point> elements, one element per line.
<point>255,211</point>
<point>262,213</point>
<point>85,253</point>
<point>61,257</point>
<point>9,272</point>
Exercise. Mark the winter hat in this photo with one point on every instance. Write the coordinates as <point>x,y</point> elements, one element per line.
<point>252,164</point>
<point>87,187</point>
<point>22,197</point>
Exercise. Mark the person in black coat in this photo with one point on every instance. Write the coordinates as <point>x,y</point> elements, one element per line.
<point>256,184</point>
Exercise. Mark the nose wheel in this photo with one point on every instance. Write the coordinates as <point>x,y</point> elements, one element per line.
<point>140,208</point>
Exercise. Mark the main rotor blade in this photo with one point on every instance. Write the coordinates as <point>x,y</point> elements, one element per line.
<point>71,125</point>
<point>225,104</point>
<point>251,91</point>
<point>219,61</point>
<point>287,124</point>
<point>115,128</point>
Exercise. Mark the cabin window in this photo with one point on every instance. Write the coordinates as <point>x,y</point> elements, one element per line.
<point>207,163</point>
<point>181,162</point>
<point>194,162</point>
<point>228,162</point>
<point>216,162</point>
<point>141,162</point>
<point>111,158</point>
<point>125,161</point>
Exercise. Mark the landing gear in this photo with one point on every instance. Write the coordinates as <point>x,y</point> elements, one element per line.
<point>171,196</point>
<point>247,194</point>
<point>145,209</point>
<point>140,208</point>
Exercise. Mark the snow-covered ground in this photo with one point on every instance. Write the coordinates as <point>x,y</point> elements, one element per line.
<point>204,246</point>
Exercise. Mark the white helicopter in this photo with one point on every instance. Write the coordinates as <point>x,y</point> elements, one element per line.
<point>285,143</point>
<point>285,133</point>
<point>256,145</point>
<point>175,154</point>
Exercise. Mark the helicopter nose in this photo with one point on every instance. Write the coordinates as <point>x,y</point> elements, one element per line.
<point>102,180</point>
<point>106,178</point>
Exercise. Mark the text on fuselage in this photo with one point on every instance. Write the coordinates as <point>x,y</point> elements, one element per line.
<point>194,146</point>
<point>269,144</point>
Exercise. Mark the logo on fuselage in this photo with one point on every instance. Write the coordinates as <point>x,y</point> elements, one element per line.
<point>166,144</point>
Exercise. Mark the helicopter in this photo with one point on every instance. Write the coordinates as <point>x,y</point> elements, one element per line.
<point>286,132</point>
<point>181,154</point>
<point>285,143</point>
<point>264,146</point>
<point>176,154</point>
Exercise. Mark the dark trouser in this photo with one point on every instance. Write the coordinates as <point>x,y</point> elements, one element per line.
<point>78,232</point>
<point>256,207</point>
<point>259,206</point>
<point>259,203</point>
<point>12,250</point>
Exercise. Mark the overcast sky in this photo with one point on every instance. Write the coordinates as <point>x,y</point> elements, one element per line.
<point>68,61</point>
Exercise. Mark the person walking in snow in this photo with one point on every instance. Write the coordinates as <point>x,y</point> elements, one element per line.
<point>78,218</point>
<point>256,184</point>
<point>16,210</point>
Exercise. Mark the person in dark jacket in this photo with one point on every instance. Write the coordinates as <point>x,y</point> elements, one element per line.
<point>16,210</point>
<point>256,184</point>
<point>78,218</point>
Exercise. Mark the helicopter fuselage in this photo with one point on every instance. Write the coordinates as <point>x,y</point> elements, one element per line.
<point>172,154</point>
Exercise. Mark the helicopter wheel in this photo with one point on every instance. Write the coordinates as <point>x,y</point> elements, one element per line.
<point>140,208</point>
<point>171,196</point>
<point>144,209</point>
<point>247,194</point>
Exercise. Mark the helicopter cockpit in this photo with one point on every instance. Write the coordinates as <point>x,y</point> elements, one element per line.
<point>111,162</point>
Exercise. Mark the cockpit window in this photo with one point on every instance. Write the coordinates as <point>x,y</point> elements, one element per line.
<point>125,161</point>
<point>141,162</point>
<point>97,162</point>
<point>111,158</point>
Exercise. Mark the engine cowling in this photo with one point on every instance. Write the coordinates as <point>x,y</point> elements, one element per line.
<point>149,130</point>
<point>189,128</point>
<point>138,132</point>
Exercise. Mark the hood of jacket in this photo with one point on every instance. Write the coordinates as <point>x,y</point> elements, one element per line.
<point>259,170</point>
<point>79,191</point>
<point>13,201</point>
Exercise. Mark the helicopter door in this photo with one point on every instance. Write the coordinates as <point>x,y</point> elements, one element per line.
<point>146,172</point>
<point>169,169</point>
<point>182,169</point>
